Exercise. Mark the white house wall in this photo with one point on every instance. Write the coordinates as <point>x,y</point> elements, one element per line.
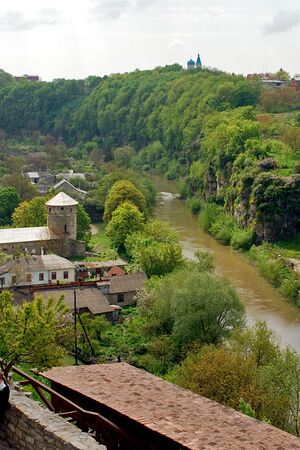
<point>35,278</point>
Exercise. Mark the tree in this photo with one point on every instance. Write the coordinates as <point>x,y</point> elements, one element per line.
<point>121,191</point>
<point>35,332</point>
<point>291,137</point>
<point>155,249</point>
<point>83,224</point>
<point>25,189</point>
<point>126,219</point>
<point>9,200</point>
<point>219,374</point>
<point>124,155</point>
<point>195,306</point>
<point>31,213</point>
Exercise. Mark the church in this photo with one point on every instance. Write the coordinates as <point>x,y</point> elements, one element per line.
<point>59,236</point>
<point>191,64</point>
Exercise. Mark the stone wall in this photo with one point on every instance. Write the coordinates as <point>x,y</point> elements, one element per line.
<point>29,426</point>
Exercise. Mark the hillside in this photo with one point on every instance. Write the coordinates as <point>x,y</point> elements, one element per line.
<point>208,128</point>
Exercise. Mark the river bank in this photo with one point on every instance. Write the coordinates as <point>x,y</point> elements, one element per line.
<point>262,301</point>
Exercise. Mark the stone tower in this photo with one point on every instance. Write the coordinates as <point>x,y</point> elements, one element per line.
<point>62,216</point>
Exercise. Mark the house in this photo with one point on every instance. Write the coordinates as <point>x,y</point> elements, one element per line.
<point>89,299</point>
<point>36,270</point>
<point>68,188</point>
<point>150,413</point>
<point>34,177</point>
<point>71,174</point>
<point>59,236</point>
<point>27,78</point>
<point>122,289</point>
<point>97,269</point>
<point>295,82</point>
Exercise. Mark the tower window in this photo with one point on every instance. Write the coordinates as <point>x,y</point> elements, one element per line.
<point>49,210</point>
<point>62,208</point>
<point>66,228</point>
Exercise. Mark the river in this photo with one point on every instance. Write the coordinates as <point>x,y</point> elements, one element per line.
<point>261,300</point>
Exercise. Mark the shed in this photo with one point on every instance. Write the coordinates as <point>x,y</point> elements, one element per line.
<point>88,299</point>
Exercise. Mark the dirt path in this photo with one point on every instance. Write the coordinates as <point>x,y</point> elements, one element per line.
<point>94,229</point>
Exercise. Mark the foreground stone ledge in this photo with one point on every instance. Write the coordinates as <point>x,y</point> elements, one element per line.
<point>29,426</point>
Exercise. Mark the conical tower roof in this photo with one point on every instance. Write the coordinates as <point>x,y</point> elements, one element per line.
<point>62,199</point>
<point>198,62</point>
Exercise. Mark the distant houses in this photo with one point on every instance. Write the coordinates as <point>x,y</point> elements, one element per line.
<point>45,182</point>
<point>65,186</point>
<point>26,77</point>
<point>101,288</point>
<point>268,80</point>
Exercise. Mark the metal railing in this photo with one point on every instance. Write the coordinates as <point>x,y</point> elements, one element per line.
<point>101,428</point>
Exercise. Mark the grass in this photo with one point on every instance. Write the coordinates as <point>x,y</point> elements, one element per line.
<point>286,162</point>
<point>100,244</point>
<point>290,247</point>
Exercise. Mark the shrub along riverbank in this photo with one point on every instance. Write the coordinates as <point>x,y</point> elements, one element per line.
<point>271,260</point>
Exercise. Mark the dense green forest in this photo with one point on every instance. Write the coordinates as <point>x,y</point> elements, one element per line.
<point>210,129</point>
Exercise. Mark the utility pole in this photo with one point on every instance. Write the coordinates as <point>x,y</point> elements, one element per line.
<point>75,327</point>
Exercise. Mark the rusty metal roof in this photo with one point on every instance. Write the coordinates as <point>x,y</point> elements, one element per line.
<point>189,419</point>
<point>101,264</point>
<point>127,283</point>
<point>37,262</point>
<point>30,234</point>
<point>86,297</point>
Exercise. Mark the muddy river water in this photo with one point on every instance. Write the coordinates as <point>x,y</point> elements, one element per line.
<point>261,300</point>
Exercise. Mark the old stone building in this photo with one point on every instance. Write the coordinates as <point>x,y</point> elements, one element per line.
<point>59,236</point>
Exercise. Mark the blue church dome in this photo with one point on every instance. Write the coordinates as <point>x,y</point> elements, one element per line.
<point>191,62</point>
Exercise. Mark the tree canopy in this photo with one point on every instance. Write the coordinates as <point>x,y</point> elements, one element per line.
<point>35,332</point>
<point>121,191</point>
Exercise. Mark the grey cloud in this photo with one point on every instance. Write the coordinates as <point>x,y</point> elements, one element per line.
<point>17,21</point>
<point>283,21</point>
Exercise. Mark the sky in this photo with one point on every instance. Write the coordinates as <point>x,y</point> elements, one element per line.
<point>78,38</point>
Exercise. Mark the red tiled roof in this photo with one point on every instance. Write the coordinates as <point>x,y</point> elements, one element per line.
<point>189,419</point>
<point>115,271</point>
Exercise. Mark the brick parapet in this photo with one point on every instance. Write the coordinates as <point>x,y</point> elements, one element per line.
<point>29,426</point>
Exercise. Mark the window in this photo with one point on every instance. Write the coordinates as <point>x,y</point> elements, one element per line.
<point>41,276</point>
<point>120,298</point>
<point>62,208</point>
<point>66,275</point>
<point>28,277</point>
<point>2,282</point>
<point>53,275</point>
<point>65,228</point>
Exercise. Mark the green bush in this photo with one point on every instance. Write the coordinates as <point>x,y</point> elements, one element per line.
<point>242,239</point>
<point>223,228</point>
<point>270,268</point>
<point>209,214</point>
<point>195,204</point>
<point>290,289</point>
